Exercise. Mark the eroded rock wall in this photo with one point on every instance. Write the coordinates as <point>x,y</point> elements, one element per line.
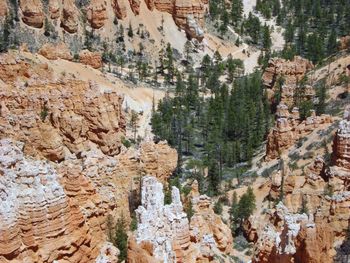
<point>166,228</point>
<point>324,200</point>
<point>289,128</point>
<point>284,76</point>
<point>69,172</point>
<point>187,14</point>
<point>38,222</point>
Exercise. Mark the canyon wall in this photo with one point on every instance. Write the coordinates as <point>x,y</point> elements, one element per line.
<point>63,168</point>
<point>313,222</point>
<point>187,14</point>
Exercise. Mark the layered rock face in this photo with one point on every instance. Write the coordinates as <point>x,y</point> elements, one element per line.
<point>32,11</point>
<point>164,226</point>
<point>69,16</point>
<point>54,9</point>
<point>165,234</point>
<point>325,196</point>
<point>119,9</point>
<point>37,220</point>
<point>344,43</point>
<point>97,13</point>
<point>208,231</point>
<point>59,117</point>
<point>108,254</point>
<point>187,14</point>
<point>56,208</point>
<point>89,58</point>
<point>293,238</point>
<point>53,52</point>
<point>158,160</point>
<point>341,150</point>
<point>288,129</point>
<point>289,74</point>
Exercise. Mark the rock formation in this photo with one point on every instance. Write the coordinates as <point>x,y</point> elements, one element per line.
<point>97,13</point>
<point>207,229</point>
<point>53,52</point>
<point>3,8</point>
<point>285,75</point>
<point>140,253</point>
<point>158,160</point>
<point>119,8</point>
<point>70,16</point>
<point>293,238</point>
<point>189,15</point>
<point>16,71</point>
<point>55,207</point>
<point>289,128</point>
<point>341,150</point>
<point>58,116</point>
<point>108,254</point>
<point>37,220</point>
<point>165,226</point>
<point>281,179</point>
<point>166,229</point>
<point>54,8</point>
<point>135,6</point>
<point>89,58</point>
<point>325,196</point>
<point>32,11</point>
<point>344,43</point>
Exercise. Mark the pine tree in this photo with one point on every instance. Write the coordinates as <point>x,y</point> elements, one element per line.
<point>5,37</point>
<point>233,212</point>
<point>332,43</point>
<point>214,177</point>
<point>120,34</point>
<point>303,209</point>
<point>236,12</point>
<point>130,30</point>
<point>169,64</point>
<point>133,122</point>
<point>246,206</point>
<point>266,38</point>
<point>121,238</point>
<point>187,49</point>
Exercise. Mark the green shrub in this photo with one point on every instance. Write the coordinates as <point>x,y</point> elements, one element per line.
<point>218,208</point>
<point>133,224</point>
<point>126,142</point>
<point>121,238</point>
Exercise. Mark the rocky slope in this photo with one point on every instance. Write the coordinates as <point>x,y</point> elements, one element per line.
<point>63,168</point>
<point>314,220</point>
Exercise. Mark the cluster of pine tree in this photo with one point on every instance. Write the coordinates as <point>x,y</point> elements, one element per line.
<point>311,26</point>
<point>241,210</point>
<point>246,26</point>
<point>221,129</point>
